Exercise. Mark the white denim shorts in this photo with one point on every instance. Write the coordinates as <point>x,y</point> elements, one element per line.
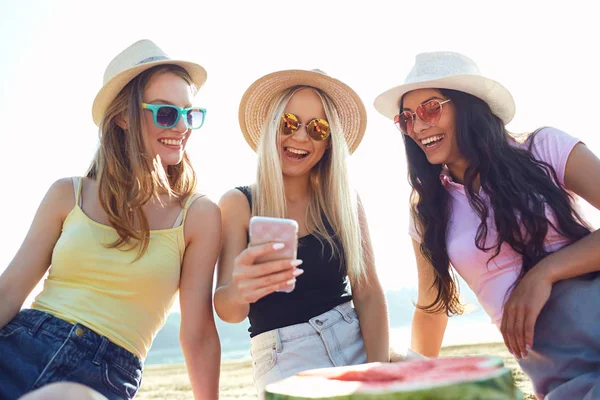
<point>331,339</point>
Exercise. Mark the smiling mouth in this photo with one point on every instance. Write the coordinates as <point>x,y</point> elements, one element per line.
<point>432,140</point>
<point>171,142</point>
<point>295,153</point>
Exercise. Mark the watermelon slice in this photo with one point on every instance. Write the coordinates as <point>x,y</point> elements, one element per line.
<point>464,378</point>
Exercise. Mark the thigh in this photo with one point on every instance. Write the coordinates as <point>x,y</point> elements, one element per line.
<point>566,347</point>
<point>37,349</point>
<point>22,359</point>
<point>264,368</point>
<point>64,391</point>
<point>348,335</point>
<point>300,348</point>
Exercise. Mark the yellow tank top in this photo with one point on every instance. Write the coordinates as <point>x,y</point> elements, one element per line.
<point>104,288</point>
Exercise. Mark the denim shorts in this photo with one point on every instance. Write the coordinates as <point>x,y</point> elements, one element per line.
<point>37,348</point>
<point>331,339</point>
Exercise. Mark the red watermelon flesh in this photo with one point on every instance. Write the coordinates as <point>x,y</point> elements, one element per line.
<point>444,378</point>
<point>426,370</point>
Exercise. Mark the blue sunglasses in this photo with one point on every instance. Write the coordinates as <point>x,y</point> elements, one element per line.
<point>167,116</point>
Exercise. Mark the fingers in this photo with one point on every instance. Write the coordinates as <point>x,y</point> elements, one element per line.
<point>253,290</point>
<point>274,279</point>
<point>518,323</point>
<point>507,329</point>
<point>519,332</point>
<point>248,256</point>
<point>530,320</point>
<point>264,269</point>
<point>254,281</point>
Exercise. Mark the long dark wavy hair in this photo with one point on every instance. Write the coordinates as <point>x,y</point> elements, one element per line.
<point>519,187</point>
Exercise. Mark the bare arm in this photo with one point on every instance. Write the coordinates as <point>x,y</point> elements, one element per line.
<point>34,256</point>
<point>235,214</point>
<point>526,301</point>
<point>427,328</point>
<point>198,333</point>
<point>369,301</point>
<point>581,177</point>
<point>240,281</point>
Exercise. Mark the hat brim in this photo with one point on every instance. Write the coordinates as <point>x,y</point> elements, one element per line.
<point>257,99</point>
<point>111,89</point>
<point>493,93</point>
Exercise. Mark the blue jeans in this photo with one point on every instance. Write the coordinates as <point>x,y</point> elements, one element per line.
<point>37,348</point>
<point>565,360</point>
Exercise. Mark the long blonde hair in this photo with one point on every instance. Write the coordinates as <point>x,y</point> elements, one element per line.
<point>128,175</point>
<point>330,193</point>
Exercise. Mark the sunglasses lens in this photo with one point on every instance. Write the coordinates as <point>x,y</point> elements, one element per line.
<point>430,112</point>
<point>404,122</point>
<point>166,116</point>
<point>195,118</point>
<point>289,123</point>
<point>318,129</point>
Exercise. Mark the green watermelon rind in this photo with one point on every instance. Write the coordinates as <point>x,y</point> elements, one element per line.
<point>499,385</point>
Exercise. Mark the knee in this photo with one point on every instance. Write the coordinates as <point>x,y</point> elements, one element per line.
<point>63,391</point>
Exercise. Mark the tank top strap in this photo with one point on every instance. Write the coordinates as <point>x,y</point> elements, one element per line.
<point>183,213</point>
<point>247,192</point>
<point>77,185</point>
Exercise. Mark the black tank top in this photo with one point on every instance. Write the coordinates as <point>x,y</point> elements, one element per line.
<point>323,285</point>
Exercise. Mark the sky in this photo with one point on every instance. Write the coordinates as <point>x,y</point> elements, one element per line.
<point>54,54</point>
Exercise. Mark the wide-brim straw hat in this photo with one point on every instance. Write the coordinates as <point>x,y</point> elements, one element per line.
<point>448,70</point>
<point>132,61</point>
<point>258,98</point>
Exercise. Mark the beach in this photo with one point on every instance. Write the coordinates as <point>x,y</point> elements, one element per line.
<point>171,381</point>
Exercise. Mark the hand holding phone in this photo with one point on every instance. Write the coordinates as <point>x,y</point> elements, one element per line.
<point>277,230</point>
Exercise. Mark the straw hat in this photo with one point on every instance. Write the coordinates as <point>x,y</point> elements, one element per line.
<point>257,99</point>
<point>132,61</point>
<point>448,70</point>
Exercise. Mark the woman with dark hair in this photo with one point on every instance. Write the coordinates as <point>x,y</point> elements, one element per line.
<point>501,211</point>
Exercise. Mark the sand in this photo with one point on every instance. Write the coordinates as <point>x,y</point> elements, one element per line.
<point>171,381</point>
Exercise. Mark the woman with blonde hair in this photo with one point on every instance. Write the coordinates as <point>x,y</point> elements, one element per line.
<point>303,125</point>
<point>121,242</point>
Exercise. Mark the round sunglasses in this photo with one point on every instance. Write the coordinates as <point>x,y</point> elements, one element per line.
<point>429,113</point>
<point>167,116</point>
<point>318,129</point>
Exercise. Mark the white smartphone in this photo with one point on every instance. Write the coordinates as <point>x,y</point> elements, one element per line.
<point>275,230</point>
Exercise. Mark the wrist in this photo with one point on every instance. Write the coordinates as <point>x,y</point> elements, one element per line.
<point>546,271</point>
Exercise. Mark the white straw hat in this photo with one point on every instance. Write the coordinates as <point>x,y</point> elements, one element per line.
<point>132,61</point>
<point>448,70</point>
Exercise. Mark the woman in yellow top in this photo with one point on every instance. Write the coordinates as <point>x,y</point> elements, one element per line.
<point>121,242</point>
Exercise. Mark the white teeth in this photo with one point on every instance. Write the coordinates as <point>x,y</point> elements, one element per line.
<point>296,151</point>
<point>172,142</point>
<point>432,139</point>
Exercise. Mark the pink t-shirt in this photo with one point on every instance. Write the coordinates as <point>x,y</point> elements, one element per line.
<point>491,281</point>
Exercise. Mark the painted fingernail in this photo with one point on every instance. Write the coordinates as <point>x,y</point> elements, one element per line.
<point>278,246</point>
<point>523,355</point>
<point>291,281</point>
<point>298,272</point>
<point>527,347</point>
<point>295,263</point>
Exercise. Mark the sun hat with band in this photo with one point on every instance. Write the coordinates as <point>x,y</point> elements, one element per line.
<point>257,100</point>
<point>128,64</point>
<point>448,70</point>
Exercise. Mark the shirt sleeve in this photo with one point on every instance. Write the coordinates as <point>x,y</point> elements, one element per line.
<point>554,146</point>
